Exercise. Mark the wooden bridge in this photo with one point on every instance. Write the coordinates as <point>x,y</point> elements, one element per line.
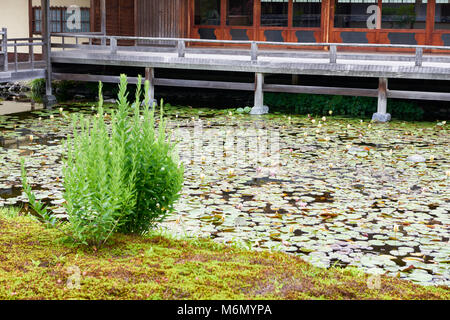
<point>260,58</point>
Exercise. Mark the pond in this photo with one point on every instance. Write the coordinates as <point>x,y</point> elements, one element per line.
<point>337,191</point>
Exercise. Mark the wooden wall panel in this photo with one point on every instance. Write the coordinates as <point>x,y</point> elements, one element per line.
<point>175,18</point>
<point>156,18</point>
<point>126,18</point>
<point>119,17</point>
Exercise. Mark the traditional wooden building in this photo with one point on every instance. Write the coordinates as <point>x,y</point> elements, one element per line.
<point>421,22</point>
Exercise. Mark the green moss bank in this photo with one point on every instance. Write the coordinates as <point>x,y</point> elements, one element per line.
<point>36,264</point>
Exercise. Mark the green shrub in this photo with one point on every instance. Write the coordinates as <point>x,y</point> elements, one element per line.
<point>358,107</point>
<point>126,180</point>
<point>405,110</point>
<point>62,89</point>
<point>122,178</point>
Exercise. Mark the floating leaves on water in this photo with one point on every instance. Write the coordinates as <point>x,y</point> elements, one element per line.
<point>340,213</point>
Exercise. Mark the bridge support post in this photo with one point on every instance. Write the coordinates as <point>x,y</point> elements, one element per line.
<point>150,76</point>
<point>382,115</point>
<point>5,49</point>
<point>49,99</point>
<point>259,107</point>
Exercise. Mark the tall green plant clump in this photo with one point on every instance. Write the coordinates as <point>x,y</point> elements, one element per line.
<point>122,178</point>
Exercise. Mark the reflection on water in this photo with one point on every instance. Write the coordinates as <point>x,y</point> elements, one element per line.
<point>11,107</point>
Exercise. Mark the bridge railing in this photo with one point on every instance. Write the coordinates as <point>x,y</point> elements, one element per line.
<point>255,48</point>
<point>17,43</point>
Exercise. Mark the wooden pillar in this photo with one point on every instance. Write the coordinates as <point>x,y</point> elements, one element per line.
<point>259,96</point>
<point>103,20</point>
<point>382,115</point>
<point>259,107</point>
<point>295,79</point>
<point>431,16</point>
<point>150,76</point>
<point>382,95</point>
<point>290,14</point>
<point>223,19</point>
<point>5,49</point>
<point>49,99</point>
<point>256,19</point>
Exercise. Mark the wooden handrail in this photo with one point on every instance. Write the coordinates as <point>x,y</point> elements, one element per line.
<point>26,39</point>
<point>25,44</point>
<point>180,47</point>
<point>268,43</point>
<point>15,43</point>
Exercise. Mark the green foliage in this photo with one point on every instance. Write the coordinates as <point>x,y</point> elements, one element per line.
<point>40,209</point>
<point>358,107</point>
<point>246,110</point>
<point>126,179</point>
<point>405,110</point>
<point>62,89</point>
<point>39,271</point>
<point>37,89</point>
<point>10,212</point>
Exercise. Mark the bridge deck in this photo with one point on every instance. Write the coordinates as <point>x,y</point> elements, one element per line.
<point>377,65</point>
<point>24,72</point>
<point>296,62</point>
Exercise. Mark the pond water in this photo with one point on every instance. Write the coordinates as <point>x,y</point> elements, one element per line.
<point>335,191</point>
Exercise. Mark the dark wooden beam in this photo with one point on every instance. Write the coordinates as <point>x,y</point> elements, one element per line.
<point>320,90</point>
<point>92,16</point>
<point>30,18</point>
<point>103,19</point>
<point>49,99</point>
<point>394,94</point>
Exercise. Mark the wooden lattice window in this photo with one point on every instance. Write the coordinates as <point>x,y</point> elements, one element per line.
<point>58,20</point>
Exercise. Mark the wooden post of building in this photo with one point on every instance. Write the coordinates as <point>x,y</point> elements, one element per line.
<point>49,99</point>
<point>181,49</point>
<point>150,76</point>
<point>259,107</point>
<point>5,49</point>
<point>103,20</point>
<point>295,79</point>
<point>382,115</point>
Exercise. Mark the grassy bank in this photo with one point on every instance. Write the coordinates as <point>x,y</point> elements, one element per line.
<point>36,264</point>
